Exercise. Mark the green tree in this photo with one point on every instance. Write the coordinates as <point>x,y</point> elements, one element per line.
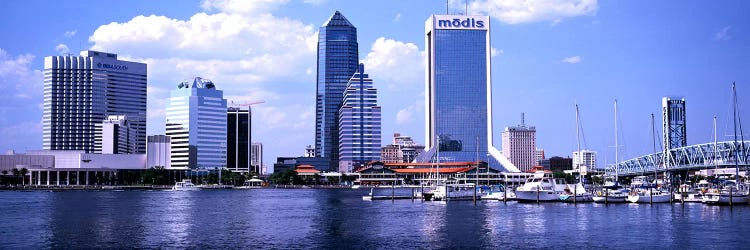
<point>286,177</point>
<point>23,173</point>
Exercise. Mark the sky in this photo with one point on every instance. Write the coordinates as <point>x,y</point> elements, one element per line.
<point>547,56</point>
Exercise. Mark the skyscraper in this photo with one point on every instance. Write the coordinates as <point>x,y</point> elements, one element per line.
<point>197,125</point>
<point>519,145</point>
<point>359,123</point>
<point>256,157</point>
<point>337,61</point>
<point>584,160</point>
<point>115,136</point>
<point>458,91</point>
<point>82,91</point>
<point>238,139</point>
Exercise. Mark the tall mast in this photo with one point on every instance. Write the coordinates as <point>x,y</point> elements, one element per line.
<point>737,150</point>
<point>653,140</point>
<point>578,136</point>
<point>716,150</point>
<point>617,159</point>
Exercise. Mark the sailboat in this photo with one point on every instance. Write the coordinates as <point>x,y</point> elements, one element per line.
<point>650,193</point>
<point>730,194</point>
<point>611,192</point>
<point>576,192</point>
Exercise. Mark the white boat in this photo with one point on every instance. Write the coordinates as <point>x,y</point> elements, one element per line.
<point>648,195</point>
<point>723,196</point>
<point>576,193</point>
<point>611,196</point>
<point>497,192</point>
<point>541,187</point>
<point>686,193</point>
<point>455,192</point>
<point>185,185</point>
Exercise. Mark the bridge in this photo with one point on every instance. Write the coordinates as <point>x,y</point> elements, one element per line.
<point>695,157</point>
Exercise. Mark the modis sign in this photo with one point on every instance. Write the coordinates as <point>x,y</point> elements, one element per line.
<point>461,22</point>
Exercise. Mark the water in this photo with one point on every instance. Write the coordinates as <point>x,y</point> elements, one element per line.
<point>317,219</point>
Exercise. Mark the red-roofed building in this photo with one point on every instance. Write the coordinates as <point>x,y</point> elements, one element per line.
<point>378,173</point>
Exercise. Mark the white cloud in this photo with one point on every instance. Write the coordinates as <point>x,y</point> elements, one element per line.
<point>315,2</point>
<point>18,79</point>
<point>395,61</point>
<point>529,11</point>
<point>723,34</point>
<point>407,114</point>
<point>397,17</point>
<point>242,6</point>
<point>21,111</point>
<point>70,34</point>
<point>572,59</point>
<point>495,52</point>
<point>62,49</point>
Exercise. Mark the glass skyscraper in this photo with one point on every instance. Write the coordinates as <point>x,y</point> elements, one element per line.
<point>80,92</point>
<point>197,125</point>
<point>337,61</point>
<point>458,92</point>
<point>359,123</point>
<point>238,139</point>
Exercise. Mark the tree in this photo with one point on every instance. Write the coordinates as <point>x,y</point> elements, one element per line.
<point>286,177</point>
<point>23,171</point>
<point>5,172</point>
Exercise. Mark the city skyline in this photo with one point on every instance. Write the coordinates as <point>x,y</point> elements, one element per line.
<point>543,63</point>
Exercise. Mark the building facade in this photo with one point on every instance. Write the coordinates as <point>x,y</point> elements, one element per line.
<point>403,150</point>
<point>256,157</point>
<point>81,91</point>
<point>359,123</point>
<point>338,58</point>
<point>238,140</point>
<point>158,151</point>
<point>519,145</point>
<point>458,91</point>
<point>115,135</point>
<point>197,125</point>
<point>584,161</point>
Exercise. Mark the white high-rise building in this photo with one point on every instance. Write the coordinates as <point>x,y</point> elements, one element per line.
<point>197,125</point>
<point>82,91</point>
<point>584,161</point>
<point>115,135</point>
<point>158,153</point>
<point>256,156</point>
<point>519,145</point>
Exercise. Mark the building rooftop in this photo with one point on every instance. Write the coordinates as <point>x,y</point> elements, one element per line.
<point>197,82</point>
<point>337,19</point>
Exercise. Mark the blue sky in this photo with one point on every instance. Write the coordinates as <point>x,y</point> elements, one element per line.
<point>548,56</point>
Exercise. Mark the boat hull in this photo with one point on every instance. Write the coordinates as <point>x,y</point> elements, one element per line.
<point>610,199</point>
<point>723,199</point>
<point>657,198</point>
<point>532,196</point>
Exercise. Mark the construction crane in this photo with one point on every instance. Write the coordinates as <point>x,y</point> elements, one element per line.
<point>247,104</point>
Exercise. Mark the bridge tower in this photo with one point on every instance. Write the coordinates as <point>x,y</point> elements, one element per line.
<point>674,122</point>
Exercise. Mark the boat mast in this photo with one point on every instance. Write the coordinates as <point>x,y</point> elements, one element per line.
<point>616,145</point>
<point>737,152</point>
<point>716,149</point>
<point>653,140</point>
<point>578,142</point>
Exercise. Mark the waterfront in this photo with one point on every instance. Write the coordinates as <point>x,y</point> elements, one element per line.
<point>317,218</point>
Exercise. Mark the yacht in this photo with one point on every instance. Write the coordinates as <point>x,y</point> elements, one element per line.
<point>185,185</point>
<point>726,196</point>
<point>686,193</point>
<point>453,191</point>
<point>497,192</point>
<point>611,192</point>
<point>541,187</point>
<point>647,193</point>
<point>576,193</point>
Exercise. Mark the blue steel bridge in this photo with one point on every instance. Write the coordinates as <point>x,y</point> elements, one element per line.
<point>694,157</point>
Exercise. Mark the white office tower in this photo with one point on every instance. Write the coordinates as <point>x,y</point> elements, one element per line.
<point>584,161</point>
<point>256,156</point>
<point>519,145</point>
<point>82,91</point>
<point>158,151</point>
<point>197,125</point>
<point>115,135</point>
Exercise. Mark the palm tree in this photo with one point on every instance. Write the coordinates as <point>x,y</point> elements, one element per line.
<point>5,172</point>
<point>16,173</point>
<point>24,171</point>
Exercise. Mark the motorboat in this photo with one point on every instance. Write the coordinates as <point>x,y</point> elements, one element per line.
<point>541,187</point>
<point>496,192</point>
<point>576,193</point>
<point>648,195</point>
<point>185,185</point>
<point>455,192</point>
<point>611,196</point>
<point>686,193</point>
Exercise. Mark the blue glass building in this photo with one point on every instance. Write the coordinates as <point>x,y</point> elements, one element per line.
<point>337,61</point>
<point>458,92</point>
<point>359,123</point>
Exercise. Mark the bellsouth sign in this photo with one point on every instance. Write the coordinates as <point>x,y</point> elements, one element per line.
<point>461,22</point>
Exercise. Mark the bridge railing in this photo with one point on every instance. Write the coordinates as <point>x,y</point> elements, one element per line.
<point>697,156</point>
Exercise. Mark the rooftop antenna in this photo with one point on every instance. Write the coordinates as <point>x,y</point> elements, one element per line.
<point>523,120</point>
<point>467,7</point>
<point>446,7</point>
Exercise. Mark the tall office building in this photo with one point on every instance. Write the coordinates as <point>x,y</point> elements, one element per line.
<point>115,135</point>
<point>359,123</point>
<point>238,139</point>
<point>403,149</point>
<point>337,61</point>
<point>158,151</point>
<point>82,91</point>
<point>458,91</point>
<point>584,161</point>
<point>197,125</point>
<point>519,145</point>
<point>674,122</point>
<point>256,157</point>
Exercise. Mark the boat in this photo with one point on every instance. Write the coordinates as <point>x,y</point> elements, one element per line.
<point>496,192</point>
<point>454,191</point>
<point>541,187</point>
<point>729,195</point>
<point>185,185</point>
<point>648,195</point>
<point>576,193</point>
<point>686,193</point>
<point>608,195</point>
